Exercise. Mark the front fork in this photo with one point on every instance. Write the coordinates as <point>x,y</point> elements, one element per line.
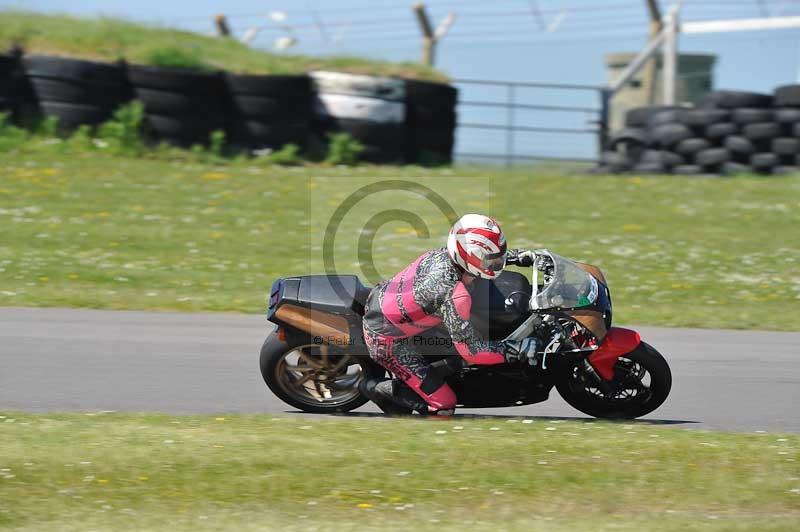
<point>602,384</point>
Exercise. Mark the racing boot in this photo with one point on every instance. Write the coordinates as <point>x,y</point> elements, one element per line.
<point>381,392</point>
<point>409,398</point>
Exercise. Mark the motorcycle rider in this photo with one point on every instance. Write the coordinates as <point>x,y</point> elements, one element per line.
<point>429,292</point>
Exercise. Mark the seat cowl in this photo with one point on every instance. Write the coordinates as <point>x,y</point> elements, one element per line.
<point>332,293</point>
<point>328,308</point>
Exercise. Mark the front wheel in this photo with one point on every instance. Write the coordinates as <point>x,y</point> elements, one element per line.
<point>642,381</point>
<point>314,378</point>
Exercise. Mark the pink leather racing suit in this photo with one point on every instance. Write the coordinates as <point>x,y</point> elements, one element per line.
<point>427,293</point>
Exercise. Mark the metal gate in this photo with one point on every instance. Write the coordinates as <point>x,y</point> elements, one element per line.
<point>517,121</point>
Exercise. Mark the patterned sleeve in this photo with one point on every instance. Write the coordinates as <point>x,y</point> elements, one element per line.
<point>454,313</point>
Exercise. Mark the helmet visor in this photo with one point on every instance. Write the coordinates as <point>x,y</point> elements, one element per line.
<point>494,262</point>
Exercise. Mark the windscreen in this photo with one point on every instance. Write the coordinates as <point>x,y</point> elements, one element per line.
<point>566,285</point>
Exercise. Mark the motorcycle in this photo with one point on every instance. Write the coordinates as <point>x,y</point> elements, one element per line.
<point>315,357</point>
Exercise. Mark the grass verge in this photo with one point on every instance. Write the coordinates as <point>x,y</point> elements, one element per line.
<point>108,39</point>
<point>135,472</point>
<point>91,229</point>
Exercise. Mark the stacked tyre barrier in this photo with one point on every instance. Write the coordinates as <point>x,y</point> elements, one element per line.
<point>74,91</point>
<point>370,109</point>
<point>728,132</point>
<point>430,121</point>
<point>396,120</point>
<point>8,66</point>
<point>269,111</point>
<point>16,95</point>
<point>181,106</point>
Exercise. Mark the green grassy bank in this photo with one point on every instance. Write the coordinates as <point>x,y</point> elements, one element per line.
<point>156,472</point>
<point>89,229</point>
<point>108,39</point>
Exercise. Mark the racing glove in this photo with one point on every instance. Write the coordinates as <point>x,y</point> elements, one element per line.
<point>520,257</point>
<point>520,351</point>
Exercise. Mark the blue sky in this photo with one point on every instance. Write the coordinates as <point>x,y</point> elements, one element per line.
<point>499,40</point>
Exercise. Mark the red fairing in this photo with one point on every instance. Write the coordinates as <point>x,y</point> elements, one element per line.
<point>618,342</point>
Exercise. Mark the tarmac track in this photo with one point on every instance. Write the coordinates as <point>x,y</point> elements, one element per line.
<point>87,360</point>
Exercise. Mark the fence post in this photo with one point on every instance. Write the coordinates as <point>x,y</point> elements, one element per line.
<point>649,77</point>
<point>221,23</point>
<point>670,52</point>
<point>428,39</point>
<point>602,130</point>
<point>510,126</point>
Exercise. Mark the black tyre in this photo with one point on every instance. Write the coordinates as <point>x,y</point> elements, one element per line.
<point>71,91</point>
<point>796,129</point>
<point>788,95</point>
<point>8,68</point>
<point>274,133</point>
<point>671,159</point>
<point>786,170</point>
<point>615,162</point>
<point>255,107</point>
<point>640,116</point>
<point>188,128</point>
<point>314,378</point>
<point>668,135</point>
<point>764,161</point>
<point>420,115</point>
<point>688,169</point>
<point>281,87</point>
<point>16,93</point>
<point>176,103</point>
<point>669,116</point>
<point>786,146</point>
<point>429,158</point>
<point>72,115</point>
<point>739,145</point>
<point>430,122</point>
<point>175,80</point>
<point>381,134</point>
<point>89,72</point>
<point>629,139</point>
<point>423,156</point>
<point>712,157</point>
<point>437,140</point>
<point>762,131</point>
<point>705,117</point>
<point>431,94</point>
<point>689,147</point>
<point>9,64</point>
<point>650,157</point>
<point>382,154</point>
<point>787,115</point>
<point>732,99</point>
<point>649,169</point>
<point>732,168</point>
<point>719,131</point>
<point>642,381</point>
<point>752,116</point>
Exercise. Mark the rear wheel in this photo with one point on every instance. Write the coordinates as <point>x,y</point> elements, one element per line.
<point>641,383</point>
<point>314,378</point>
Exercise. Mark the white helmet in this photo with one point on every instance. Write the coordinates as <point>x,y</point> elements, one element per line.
<point>477,244</point>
